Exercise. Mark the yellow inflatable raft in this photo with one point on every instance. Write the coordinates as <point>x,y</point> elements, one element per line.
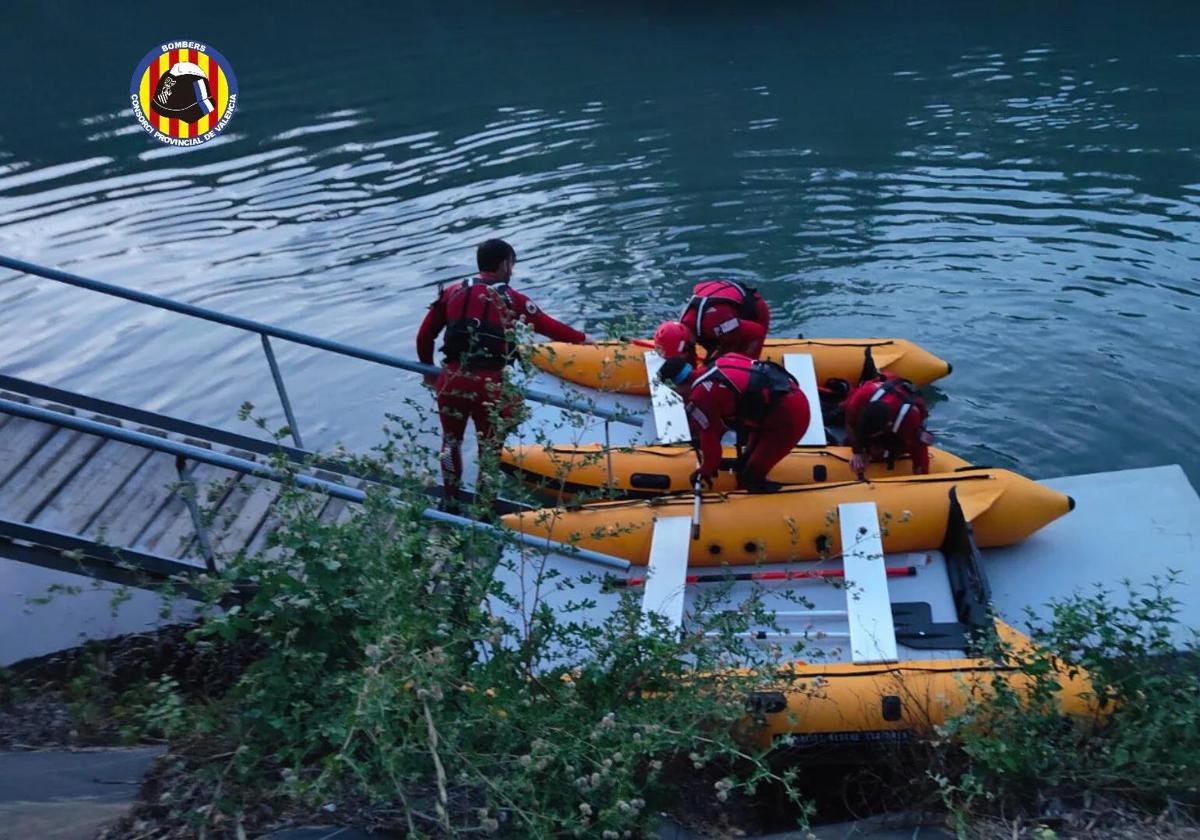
<point>800,522</point>
<point>841,703</point>
<point>618,366</point>
<point>559,472</point>
<point>830,699</point>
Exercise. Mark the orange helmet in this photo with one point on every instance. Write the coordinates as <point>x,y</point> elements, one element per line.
<point>673,339</point>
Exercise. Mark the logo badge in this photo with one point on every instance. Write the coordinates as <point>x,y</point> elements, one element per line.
<point>183,93</point>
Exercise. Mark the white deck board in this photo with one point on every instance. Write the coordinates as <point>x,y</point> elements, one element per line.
<point>869,607</point>
<point>665,586</point>
<point>800,365</point>
<point>670,421</point>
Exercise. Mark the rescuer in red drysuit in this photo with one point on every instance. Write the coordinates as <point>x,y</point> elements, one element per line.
<point>727,317</point>
<point>758,400</point>
<point>886,417</point>
<point>478,315</point>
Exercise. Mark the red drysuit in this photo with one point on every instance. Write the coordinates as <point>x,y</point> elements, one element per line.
<point>477,315</point>
<point>759,398</point>
<point>904,429</point>
<point>727,317</point>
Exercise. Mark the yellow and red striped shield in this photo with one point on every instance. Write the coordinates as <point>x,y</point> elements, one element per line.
<point>221,88</point>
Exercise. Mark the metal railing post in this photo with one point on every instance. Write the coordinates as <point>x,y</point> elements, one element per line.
<point>283,397</point>
<point>189,500</point>
<point>608,456</point>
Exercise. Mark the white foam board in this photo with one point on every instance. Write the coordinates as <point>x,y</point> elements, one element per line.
<point>868,606</point>
<point>800,365</point>
<point>664,590</point>
<point>670,421</point>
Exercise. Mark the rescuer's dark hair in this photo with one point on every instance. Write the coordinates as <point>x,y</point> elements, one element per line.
<point>492,253</point>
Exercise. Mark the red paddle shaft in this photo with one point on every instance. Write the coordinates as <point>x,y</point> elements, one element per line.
<point>637,342</point>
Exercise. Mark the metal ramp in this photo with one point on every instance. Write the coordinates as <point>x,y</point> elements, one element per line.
<point>110,499</point>
<point>114,493</point>
<point>71,555</point>
<point>337,487</point>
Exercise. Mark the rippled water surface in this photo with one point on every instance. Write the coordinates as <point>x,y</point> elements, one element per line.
<point>1014,186</point>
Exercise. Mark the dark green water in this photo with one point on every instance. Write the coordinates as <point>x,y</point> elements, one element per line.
<point>1014,186</point>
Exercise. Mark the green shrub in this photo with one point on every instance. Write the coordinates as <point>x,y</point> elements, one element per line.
<point>1143,747</point>
<point>395,668</point>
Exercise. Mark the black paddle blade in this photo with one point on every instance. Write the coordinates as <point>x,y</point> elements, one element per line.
<point>915,628</point>
<point>911,614</point>
<point>869,370</point>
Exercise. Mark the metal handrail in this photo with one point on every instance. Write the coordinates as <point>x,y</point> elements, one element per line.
<point>243,465</point>
<point>57,397</point>
<point>119,411</point>
<point>266,331</point>
<point>76,555</point>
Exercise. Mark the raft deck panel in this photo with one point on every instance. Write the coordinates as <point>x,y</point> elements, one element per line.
<point>868,605</point>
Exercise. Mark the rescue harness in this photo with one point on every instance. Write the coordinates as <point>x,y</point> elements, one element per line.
<point>716,293</point>
<point>889,439</point>
<point>480,341</point>
<point>766,383</point>
<point>902,388</point>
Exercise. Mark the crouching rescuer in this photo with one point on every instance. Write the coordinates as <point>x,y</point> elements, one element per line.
<point>885,417</point>
<point>478,316</point>
<point>759,401</point>
<point>725,316</point>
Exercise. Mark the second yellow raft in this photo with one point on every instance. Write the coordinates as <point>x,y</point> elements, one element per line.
<point>560,472</point>
<point>618,365</point>
<point>801,523</point>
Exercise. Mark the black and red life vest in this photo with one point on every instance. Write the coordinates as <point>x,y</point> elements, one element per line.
<point>899,395</point>
<point>710,293</point>
<point>477,313</point>
<point>759,386</point>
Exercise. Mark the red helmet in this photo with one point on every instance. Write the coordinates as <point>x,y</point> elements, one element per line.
<point>673,339</point>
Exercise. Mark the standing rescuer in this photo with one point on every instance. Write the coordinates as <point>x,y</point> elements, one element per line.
<point>478,316</point>
<point>758,400</point>
<point>885,417</point>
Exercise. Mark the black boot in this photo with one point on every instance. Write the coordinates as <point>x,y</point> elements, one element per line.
<point>752,484</point>
<point>450,502</point>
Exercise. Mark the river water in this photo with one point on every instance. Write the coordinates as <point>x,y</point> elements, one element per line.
<point>1014,186</point>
